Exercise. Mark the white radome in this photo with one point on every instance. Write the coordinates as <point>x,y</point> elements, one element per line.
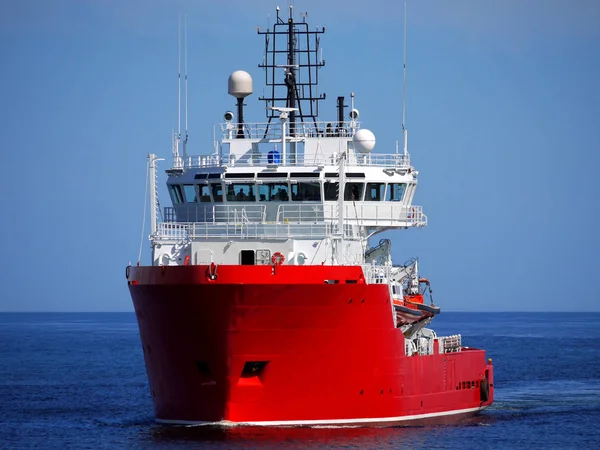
<point>239,84</point>
<point>364,141</point>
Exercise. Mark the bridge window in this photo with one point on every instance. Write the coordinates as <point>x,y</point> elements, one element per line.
<point>282,175</point>
<point>240,175</point>
<point>375,192</point>
<point>190,193</point>
<point>217,192</point>
<point>204,176</point>
<point>354,191</point>
<point>176,193</point>
<point>306,191</point>
<point>330,190</point>
<point>277,192</point>
<point>204,191</point>
<point>304,175</point>
<point>395,192</point>
<point>240,192</point>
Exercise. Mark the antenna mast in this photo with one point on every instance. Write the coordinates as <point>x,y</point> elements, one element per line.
<point>186,85</point>
<point>293,47</point>
<point>404,131</point>
<point>341,194</point>
<point>177,163</point>
<point>179,77</point>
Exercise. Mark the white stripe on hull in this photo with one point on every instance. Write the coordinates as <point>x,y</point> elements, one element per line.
<point>368,420</point>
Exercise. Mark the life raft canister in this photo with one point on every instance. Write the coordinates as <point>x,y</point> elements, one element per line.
<point>277,258</point>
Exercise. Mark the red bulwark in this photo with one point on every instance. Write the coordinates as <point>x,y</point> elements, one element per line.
<point>291,345</point>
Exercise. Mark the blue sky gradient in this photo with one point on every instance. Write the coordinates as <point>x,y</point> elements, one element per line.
<point>503,111</point>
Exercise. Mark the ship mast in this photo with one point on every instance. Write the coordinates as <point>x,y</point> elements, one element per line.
<point>178,139</point>
<point>185,141</point>
<point>290,76</point>
<point>291,46</point>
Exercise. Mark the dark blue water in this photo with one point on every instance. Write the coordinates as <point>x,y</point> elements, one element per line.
<point>78,381</point>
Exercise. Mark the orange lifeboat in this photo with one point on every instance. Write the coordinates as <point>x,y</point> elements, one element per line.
<point>416,301</point>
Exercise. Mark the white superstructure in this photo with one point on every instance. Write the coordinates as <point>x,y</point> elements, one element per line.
<point>311,191</point>
<point>251,195</point>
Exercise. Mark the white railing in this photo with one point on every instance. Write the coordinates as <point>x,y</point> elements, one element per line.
<point>300,213</point>
<point>273,130</point>
<point>450,344</point>
<point>388,161</point>
<point>371,214</point>
<point>180,230</point>
<point>217,213</point>
<point>246,213</point>
<point>263,133</point>
<point>378,214</point>
<point>356,213</point>
<point>376,274</point>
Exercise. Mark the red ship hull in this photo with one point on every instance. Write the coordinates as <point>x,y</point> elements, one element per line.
<point>292,345</point>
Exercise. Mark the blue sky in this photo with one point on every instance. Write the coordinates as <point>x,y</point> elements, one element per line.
<point>503,108</point>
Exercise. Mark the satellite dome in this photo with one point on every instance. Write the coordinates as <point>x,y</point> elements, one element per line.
<point>240,84</point>
<point>364,141</point>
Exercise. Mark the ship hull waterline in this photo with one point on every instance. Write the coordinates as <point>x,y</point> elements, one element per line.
<point>291,346</point>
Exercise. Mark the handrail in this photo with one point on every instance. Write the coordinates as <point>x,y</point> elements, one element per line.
<point>216,213</point>
<point>239,213</point>
<point>374,213</point>
<point>371,214</point>
<point>183,230</point>
<point>356,213</point>
<point>300,213</point>
<point>273,130</point>
<point>388,161</point>
<point>375,274</point>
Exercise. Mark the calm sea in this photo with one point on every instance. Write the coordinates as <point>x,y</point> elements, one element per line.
<point>78,381</point>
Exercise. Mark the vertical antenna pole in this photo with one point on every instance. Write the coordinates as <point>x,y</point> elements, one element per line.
<point>291,74</point>
<point>186,84</point>
<point>352,116</point>
<point>404,90</point>
<point>284,117</point>
<point>240,112</point>
<point>404,85</point>
<point>179,77</point>
<point>174,149</point>
<point>152,181</point>
<point>342,186</point>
